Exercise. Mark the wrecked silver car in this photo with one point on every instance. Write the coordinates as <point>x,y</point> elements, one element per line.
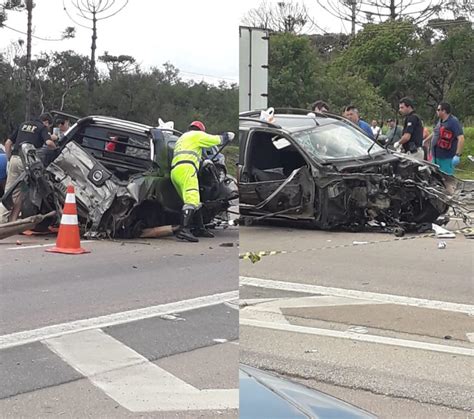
<point>121,174</point>
<point>322,170</point>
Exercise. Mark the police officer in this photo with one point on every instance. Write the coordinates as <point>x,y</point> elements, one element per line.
<point>412,138</point>
<point>34,132</point>
<point>184,175</point>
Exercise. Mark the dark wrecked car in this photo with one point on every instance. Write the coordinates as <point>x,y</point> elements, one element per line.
<point>323,170</point>
<point>121,174</point>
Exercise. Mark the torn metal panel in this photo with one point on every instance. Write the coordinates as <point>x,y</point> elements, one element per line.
<point>293,195</point>
<point>95,186</point>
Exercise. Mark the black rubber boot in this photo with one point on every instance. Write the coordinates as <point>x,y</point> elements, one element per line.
<point>184,232</point>
<point>200,230</point>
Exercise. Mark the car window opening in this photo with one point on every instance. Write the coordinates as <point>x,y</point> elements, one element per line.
<point>336,141</point>
<point>125,155</point>
<point>272,157</point>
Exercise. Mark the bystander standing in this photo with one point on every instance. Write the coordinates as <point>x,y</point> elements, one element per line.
<point>352,114</point>
<point>375,128</point>
<point>320,106</point>
<point>450,142</point>
<point>394,132</point>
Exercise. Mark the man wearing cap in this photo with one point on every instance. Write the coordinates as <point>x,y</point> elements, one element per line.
<point>412,138</point>
<point>184,175</point>
<point>33,132</point>
<point>394,132</point>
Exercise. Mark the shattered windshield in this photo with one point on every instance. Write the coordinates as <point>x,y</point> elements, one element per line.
<point>335,141</point>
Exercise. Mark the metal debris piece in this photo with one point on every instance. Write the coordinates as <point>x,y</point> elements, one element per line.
<point>357,329</point>
<point>173,317</point>
<point>442,233</point>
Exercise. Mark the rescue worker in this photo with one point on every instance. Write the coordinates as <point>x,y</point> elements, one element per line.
<point>34,132</point>
<point>184,175</point>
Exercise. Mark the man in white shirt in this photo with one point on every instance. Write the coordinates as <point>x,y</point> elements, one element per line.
<point>375,128</point>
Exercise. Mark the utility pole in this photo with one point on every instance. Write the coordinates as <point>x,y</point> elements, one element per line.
<point>353,4</point>
<point>91,77</point>
<point>29,8</point>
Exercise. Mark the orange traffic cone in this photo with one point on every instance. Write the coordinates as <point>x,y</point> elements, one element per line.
<point>68,240</point>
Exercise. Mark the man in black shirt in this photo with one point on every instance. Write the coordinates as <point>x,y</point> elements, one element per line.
<point>412,138</point>
<point>34,132</point>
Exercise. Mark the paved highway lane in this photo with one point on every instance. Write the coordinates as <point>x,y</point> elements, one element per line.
<point>364,317</point>
<point>364,261</point>
<point>145,328</point>
<point>40,288</point>
<point>182,365</point>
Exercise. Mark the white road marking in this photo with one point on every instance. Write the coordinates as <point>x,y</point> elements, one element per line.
<point>254,301</point>
<point>315,301</point>
<point>131,380</point>
<point>365,295</point>
<point>36,246</point>
<point>234,304</point>
<point>358,337</point>
<point>48,332</point>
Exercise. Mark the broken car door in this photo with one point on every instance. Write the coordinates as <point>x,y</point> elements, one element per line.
<point>275,177</point>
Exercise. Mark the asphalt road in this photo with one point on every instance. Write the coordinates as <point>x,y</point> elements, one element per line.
<point>144,328</point>
<point>383,323</point>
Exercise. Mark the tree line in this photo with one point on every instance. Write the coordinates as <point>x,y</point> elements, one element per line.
<point>70,82</point>
<point>60,82</point>
<point>375,67</point>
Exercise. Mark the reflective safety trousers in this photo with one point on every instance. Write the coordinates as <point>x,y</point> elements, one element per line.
<point>185,181</point>
<point>185,164</point>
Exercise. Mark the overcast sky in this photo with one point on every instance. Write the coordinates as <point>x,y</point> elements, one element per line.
<point>199,37</point>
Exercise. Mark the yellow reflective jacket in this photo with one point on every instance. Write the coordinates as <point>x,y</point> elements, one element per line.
<point>188,148</point>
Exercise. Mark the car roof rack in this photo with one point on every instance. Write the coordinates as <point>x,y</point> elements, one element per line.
<point>268,124</point>
<point>65,115</point>
<point>120,123</point>
<point>292,111</point>
<point>172,130</point>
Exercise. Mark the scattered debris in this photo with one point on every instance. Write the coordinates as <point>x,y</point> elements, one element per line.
<point>19,226</point>
<point>442,233</point>
<point>226,245</point>
<point>311,351</point>
<point>357,329</point>
<point>173,317</point>
<point>442,245</point>
<point>356,243</point>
